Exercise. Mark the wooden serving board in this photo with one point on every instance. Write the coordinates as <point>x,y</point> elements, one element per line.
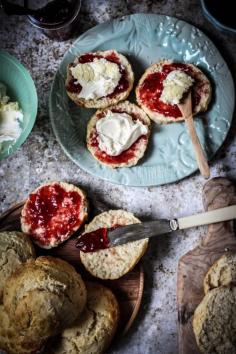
<point>192,267</point>
<point>128,289</point>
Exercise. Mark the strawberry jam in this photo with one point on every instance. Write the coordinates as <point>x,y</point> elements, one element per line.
<point>152,87</point>
<point>123,84</point>
<point>95,240</point>
<point>52,213</point>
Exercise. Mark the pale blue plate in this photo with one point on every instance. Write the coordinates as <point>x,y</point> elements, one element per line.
<point>145,39</point>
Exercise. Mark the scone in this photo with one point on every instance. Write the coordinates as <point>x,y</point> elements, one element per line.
<point>93,331</point>
<point>214,322</point>
<point>53,212</point>
<point>43,297</point>
<point>150,88</point>
<point>222,272</point>
<point>99,79</point>
<point>13,342</point>
<point>114,262</point>
<point>15,249</point>
<point>118,136</point>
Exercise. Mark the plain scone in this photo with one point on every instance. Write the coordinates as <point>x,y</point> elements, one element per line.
<point>222,272</point>
<point>214,322</point>
<point>94,330</point>
<point>114,262</point>
<point>129,108</point>
<point>12,341</point>
<point>103,102</point>
<point>15,249</point>
<point>162,119</point>
<point>43,297</point>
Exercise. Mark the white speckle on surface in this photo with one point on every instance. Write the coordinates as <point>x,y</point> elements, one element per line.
<point>40,159</point>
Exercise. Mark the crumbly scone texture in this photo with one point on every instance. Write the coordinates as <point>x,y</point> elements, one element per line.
<point>83,215</point>
<point>93,331</point>
<point>103,102</point>
<point>15,249</point>
<point>129,108</point>
<point>12,341</point>
<point>222,272</point>
<point>44,296</point>
<point>114,262</point>
<point>161,118</point>
<point>214,322</point>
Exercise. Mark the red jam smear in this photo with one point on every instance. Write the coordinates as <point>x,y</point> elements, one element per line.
<point>126,155</point>
<point>95,240</point>
<point>152,87</point>
<point>52,213</point>
<point>123,84</point>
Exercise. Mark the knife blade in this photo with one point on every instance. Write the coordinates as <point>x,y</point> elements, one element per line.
<point>135,232</point>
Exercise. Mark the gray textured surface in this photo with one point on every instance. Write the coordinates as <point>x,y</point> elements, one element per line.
<point>41,159</point>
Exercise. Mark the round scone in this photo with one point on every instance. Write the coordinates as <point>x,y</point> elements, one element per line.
<point>118,136</point>
<point>93,331</point>
<point>12,341</point>
<point>53,212</point>
<point>43,297</point>
<point>15,249</point>
<point>114,262</point>
<point>214,322</point>
<point>221,273</point>
<point>150,88</point>
<point>99,79</point>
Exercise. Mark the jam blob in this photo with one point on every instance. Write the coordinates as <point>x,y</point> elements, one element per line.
<point>123,83</point>
<point>95,240</point>
<point>152,87</point>
<point>52,214</point>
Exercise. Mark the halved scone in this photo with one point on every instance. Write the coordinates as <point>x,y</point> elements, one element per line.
<point>53,212</point>
<point>99,79</point>
<point>150,88</point>
<point>118,136</point>
<point>114,262</point>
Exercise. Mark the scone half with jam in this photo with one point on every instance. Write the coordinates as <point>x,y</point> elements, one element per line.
<point>53,212</point>
<point>99,79</point>
<point>165,83</point>
<point>118,136</point>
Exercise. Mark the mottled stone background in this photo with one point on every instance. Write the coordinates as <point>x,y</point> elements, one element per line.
<point>41,159</point>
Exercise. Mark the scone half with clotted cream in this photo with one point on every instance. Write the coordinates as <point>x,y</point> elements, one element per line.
<point>118,135</point>
<point>99,79</point>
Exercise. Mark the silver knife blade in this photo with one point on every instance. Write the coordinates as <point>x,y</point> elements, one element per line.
<point>135,232</point>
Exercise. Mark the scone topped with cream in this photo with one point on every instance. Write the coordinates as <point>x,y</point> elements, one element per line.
<point>165,84</point>
<point>118,136</point>
<point>99,79</point>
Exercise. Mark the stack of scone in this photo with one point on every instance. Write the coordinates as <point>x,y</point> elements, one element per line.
<point>45,307</point>
<point>118,133</point>
<point>214,321</point>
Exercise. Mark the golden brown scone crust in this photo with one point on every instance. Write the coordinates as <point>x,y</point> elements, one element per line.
<point>221,273</point>
<point>93,331</point>
<point>129,108</point>
<point>162,119</point>
<point>44,296</point>
<point>83,215</point>
<point>103,102</point>
<point>214,322</point>
<point>114,262</point>
<point>15,249</point>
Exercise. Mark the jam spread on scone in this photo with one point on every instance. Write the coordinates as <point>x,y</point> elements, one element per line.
<point>152,88</point>
<point>52,212</point>
<point>123,84</point>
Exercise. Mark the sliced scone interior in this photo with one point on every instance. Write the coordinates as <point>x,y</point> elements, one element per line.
<point>53,212</point>
<point>149,91</point>
<point>99,79</point>
<point>118,136</point>
<point>114,262</point>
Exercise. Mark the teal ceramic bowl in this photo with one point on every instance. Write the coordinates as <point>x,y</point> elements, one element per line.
<point>20,88</point>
